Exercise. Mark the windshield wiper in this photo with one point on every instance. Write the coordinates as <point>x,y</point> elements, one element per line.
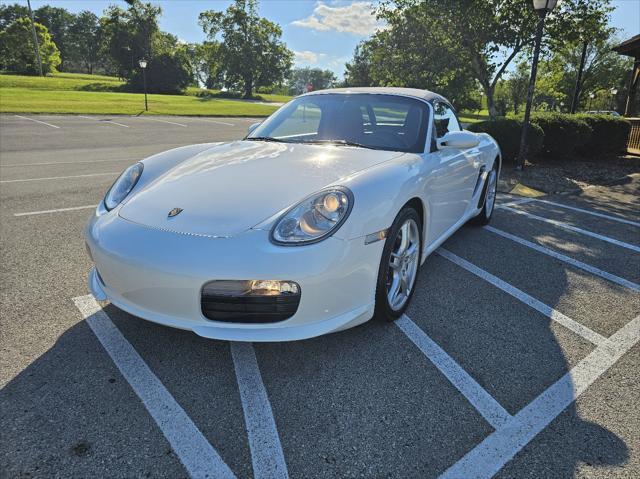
<point>265,138</point>
<point>342,143</point>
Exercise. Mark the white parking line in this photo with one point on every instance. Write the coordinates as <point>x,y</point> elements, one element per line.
<point>162,121</point>
<point>59,210</point>
<point>573,262</point>
<point>515,202</point>
<point>569,227</point>
<point>266,451</point>
<point>486,405</point>
<point>548,311</point>
<point>199,458</point>
<point>58,177</point>
<point>68,162</point>
<point>37,121</point>
<point>108,121</point>
<point>590,212</point>
<point>488,457</point>
<point>208,120</point>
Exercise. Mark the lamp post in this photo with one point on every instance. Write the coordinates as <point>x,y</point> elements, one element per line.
<point>591,97</point>
<point>561,106</point>
<point>143,65</point>
<point>481,99</point>
<point>542,7</point>
<point>614,92</point>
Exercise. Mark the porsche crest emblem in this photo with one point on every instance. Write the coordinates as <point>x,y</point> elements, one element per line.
<point>175,212</point>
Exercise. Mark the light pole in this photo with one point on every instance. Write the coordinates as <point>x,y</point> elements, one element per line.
<point>614,92</point>
<point>542,7</point>
<point>36,47</point>
<point>561,106</point>
<point>143,65</point>
<point>591,97</point>
<point>481,98</point>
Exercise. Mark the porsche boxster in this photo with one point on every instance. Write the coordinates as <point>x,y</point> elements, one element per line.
<point>315,222</point>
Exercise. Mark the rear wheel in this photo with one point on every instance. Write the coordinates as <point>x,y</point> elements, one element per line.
<point>491,190</point>
<point>399,265</point>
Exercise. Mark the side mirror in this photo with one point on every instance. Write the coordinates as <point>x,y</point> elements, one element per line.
<point>458,139</point>
<point>253,127</point>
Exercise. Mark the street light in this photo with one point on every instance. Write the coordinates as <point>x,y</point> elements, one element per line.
<point>143,64</point>
<point>542,7</point>
<point>591,97</point>
<point>481,98</point>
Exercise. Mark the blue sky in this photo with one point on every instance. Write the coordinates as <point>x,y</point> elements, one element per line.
<point>322,34</point>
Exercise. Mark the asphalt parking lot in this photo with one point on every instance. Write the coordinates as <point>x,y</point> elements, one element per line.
<point>518,356</point>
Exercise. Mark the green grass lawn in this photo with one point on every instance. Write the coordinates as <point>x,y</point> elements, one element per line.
<point>473,116</point>
<point>78,93</point>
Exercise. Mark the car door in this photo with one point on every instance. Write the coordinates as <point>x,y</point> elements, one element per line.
<point>453,177</point>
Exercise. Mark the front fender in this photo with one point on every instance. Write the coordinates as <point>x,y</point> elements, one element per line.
<point>379,194</point>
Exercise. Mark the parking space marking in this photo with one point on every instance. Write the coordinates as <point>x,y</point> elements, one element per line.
<point>58,177</point>
<point>59,210</point>
<point>37,121</point>
<point>516,202</point>
<point>264,442</point>
<point>196,454</point>
<point>616,242</point>
<point>208,120</point>
<point>488,457</point>
<point>48,163</point>
<point>479,398</point>
<point>163,121</point>
<point>108,121</point>
<point>573,262</point>
<point>589,212</point>
<point>548,311</point>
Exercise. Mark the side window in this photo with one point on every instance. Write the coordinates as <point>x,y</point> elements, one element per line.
<point>445,119</point>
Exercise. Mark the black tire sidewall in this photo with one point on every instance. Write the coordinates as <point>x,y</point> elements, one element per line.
<point>382,309</point>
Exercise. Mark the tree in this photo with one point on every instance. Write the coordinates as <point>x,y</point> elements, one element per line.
<point>603,68</point>
<point>129,35</point>
<point>84,40</point>
<point>206,63</point>
<point>319,79</point>
<point>517,86</point>
<point>10,13</point>
<point>17,52</point>
<point>490,35</point>
<point>412,52</point>
<point>58,21</point>
<point>252,53</point>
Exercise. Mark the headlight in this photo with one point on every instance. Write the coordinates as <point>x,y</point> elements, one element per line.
<point>122,186</point>
<point>314,218</point>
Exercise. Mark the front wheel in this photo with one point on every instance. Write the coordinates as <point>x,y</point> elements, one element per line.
<point>399,265</point>
<point>491,190</point>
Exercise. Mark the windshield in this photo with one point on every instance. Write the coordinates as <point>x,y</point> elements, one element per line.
<point>381,122</point>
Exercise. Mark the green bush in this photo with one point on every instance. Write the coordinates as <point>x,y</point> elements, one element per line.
<point>563,134</point>
<point>610,134</point>
<point>507,133</point>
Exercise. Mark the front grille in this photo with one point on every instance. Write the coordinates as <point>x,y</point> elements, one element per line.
<point>248,309</point>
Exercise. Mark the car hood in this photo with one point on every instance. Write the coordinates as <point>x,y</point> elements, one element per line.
<point>232,187</point>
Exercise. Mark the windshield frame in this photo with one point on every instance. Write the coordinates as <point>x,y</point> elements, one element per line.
<point>426,130</point>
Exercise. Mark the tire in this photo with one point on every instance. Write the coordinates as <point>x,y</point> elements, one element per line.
<point>489,194</point>
<point>407,225</point>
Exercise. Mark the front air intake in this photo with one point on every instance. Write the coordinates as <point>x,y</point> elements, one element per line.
<point>250,301</point>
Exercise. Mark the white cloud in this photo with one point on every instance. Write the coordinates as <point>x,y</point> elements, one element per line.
<point>308,57</point>
<point>357,18</point>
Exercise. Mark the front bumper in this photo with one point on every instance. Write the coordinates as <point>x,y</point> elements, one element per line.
<point>158,276</point>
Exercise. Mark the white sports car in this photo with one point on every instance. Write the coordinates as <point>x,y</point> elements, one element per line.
<point>315,222</point>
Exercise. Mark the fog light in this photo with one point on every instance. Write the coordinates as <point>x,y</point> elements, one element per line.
<point>250,301</point>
